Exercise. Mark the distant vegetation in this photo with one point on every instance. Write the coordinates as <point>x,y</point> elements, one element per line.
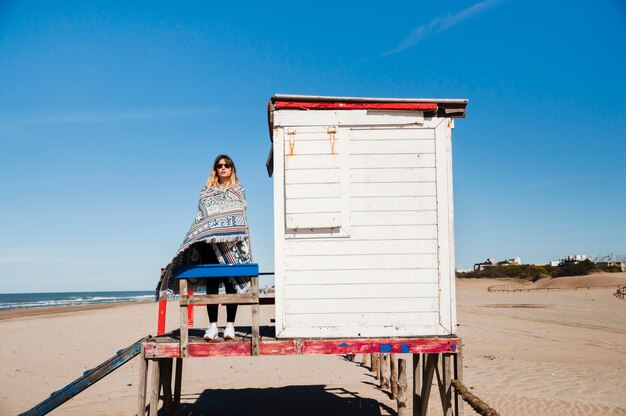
<point>532,272</point>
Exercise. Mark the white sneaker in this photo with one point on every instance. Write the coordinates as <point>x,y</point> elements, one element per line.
<point>229,332</point>
<point>211,332</point>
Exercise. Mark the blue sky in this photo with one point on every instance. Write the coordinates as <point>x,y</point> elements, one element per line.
<point>111,114</point>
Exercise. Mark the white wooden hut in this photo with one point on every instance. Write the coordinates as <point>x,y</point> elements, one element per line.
<point>363,216</point>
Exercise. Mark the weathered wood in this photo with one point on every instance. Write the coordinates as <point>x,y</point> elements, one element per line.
<point>458,375</point>
<point>374,361</point>
<point>165,371</point>
<point>417,382</point>
<point>143,382</point>
<point>178,380</point>
<point>155,387</point>
<point>401,398</point>
<point>184,330</point>
<point>87,379</point>
<point>430,364</point>
<point>377,345</point>
<point>220,299</point>
<point>379,367</point>
<point>393,378</point>
<point>171,348</point>
<point>364,360</point>
<point>446,396</point>
<point>384,372</point>
<point>254,347</point>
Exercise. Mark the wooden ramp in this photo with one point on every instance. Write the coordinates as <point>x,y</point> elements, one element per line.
<point>88,378</point>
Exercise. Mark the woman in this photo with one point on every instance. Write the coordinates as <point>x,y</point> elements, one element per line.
<point>219,234</point>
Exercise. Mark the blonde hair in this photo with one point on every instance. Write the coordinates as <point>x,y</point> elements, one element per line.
<point>214,180</point>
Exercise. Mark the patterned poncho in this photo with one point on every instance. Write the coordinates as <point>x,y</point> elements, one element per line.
<point>221,222</point>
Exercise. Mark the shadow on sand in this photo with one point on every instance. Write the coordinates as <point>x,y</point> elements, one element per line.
<point>281,401</point>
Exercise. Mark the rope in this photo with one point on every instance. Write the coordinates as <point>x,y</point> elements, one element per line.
<point>620,293</point>
<point>478,405</point>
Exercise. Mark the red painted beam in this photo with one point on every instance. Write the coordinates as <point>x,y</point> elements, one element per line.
<point>309,346</point>
<point>316,105</point>
<point>368,346</point>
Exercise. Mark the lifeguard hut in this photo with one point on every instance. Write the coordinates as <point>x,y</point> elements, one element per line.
<point>364,245</point>
<point>363,216</point>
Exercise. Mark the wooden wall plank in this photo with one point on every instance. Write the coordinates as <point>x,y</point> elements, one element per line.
<point>308,190</point>
<point>391,146</point>
<point>362,319</point>
<point>408,232</point>
<point>349,247</point>
<point>364,276</point>
<point>393,189</point>
<point>395,161</point>
<point>407,304</point>
<point>404,203</point>
<point>391,174</point>
<point>318,176</point>
<point>350,291</point>
<point>373,261</point>
<point>385,134</point>
<point>394,218</point>
<point>312,205</point>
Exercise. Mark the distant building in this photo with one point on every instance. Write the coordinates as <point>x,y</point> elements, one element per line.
<point>575,259</point>
<point>491,262</point>
<point>611,260</point>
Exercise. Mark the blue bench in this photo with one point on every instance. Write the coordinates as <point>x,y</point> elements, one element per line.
<point>214,271</point>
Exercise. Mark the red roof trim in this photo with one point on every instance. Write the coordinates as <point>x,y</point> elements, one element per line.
<point>317,105</point>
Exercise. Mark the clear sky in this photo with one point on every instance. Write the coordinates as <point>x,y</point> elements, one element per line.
<point>111,114</point>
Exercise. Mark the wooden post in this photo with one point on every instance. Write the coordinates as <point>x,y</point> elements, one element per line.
<point>364,360</point>
<point>430,363</point>
<point>190,309</point>
<point>393,378</point>
<point>184,330</point>
<point>458,375</point>
<point>446,398</point>
<point>384,372</point>
<point>254,347</point>
<point>379,362</point>
<point>417,383</point>
<point>162,313</point>
<point>178,379</point>
<point>374,364</point>
<point>401,399</point>
<point>143,381</point>
<point>155,387</point>
<point>165,369</point>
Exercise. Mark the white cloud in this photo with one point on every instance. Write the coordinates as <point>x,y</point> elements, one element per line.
<point>440,24</point>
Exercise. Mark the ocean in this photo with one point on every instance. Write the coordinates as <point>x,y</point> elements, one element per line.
<point>36,300</point>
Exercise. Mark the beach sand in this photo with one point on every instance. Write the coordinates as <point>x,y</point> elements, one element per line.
<point>542,352</point>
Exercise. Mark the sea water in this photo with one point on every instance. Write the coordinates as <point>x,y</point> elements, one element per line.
<point>35,300</point>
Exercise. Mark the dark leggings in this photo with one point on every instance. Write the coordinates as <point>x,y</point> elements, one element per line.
<point>207,256</point>
<point>212,286</point>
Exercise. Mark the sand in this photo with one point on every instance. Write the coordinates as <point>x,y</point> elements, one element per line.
<point>539,352</point>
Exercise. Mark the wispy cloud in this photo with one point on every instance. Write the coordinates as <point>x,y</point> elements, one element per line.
<point>98,117</point>
<point>441,24</point>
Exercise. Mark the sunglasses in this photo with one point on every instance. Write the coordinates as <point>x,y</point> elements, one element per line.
<point>223,165</point>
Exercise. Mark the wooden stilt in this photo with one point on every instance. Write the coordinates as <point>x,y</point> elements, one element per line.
<point>401,398</point>
<point>393,378</point>
<point>254,347</point>
<point>143,381</point>
<point>417,382</point>
<point>446,396</point>
<point>155,387</point>
<point>166,383</point>
<point>364,360</point>
<point>430,363</point>
<point>184,329</point>
<point>384,371</point>
<point>379,372</point>
<point>374,364</point>
<point>178,379</point>
<point>458,375</point>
